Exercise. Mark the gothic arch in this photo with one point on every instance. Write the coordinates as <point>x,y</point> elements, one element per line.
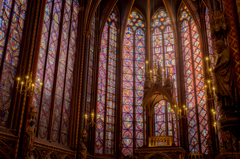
<point>37,153</point>
<point>7,152</point>
<point>109,7</point>
<point>125,18</point>
<point>53,155</point>
<point>87,10</point>
<point>4,155</point>
<point>194,14</point>
<point>92,13</point>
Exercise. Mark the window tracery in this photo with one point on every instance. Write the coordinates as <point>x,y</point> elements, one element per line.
<point>55,67</point>
<point>12,18</point>
<point>133,83</point>
<point>106,100</point>
<point>194,84</point>
<point>164,54</point>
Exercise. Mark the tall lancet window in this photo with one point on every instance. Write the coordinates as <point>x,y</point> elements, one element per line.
<point>164,56</point>
<point>194,83</point>
<point>55,68</point>
<point>133,83</point>
<point>12,18</point>
<point>106,101</point>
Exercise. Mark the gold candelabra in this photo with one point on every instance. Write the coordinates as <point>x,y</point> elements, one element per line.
<point>210,87</point>
<point>159,72</point>
<point>92,123</point>
<point>27,86</point>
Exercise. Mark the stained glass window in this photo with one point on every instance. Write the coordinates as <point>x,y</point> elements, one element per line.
<point>105,129</point>
<point>194,84</point>
<point>160,118</point>
<point>133,83</point>
<point>12,18</point>
<point>164,55</point>
<point>212,59</point>
<point>55,68</point>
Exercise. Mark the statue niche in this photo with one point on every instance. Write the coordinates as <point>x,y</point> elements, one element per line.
<point>224,77</point>
<point>227,98</point>
<point>29,134</point>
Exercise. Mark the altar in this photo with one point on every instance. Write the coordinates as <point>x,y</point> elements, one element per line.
<point>162,119</point>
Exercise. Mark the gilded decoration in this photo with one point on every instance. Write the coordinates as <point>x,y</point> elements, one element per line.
<point>224,78</point>
<point>42,151</point>
<point>30,133</point>
<point>219,26</point>
<point>7,145</point>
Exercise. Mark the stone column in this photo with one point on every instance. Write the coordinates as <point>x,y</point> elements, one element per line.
<point>148,39</point>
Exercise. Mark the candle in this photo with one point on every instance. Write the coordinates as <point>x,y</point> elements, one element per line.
<point>32,87</point>
<point>92,117</point>
<point>209,85</point>
<point>183,109</point>
<point>21,86</point>
<point>146,65</point>
<point>213,91</point>
<point>27,77</point>
<point>150,74</point>
<point>86,120</point>
<point>18,79</point>
<point>207,62</point>
<point>180,113</point>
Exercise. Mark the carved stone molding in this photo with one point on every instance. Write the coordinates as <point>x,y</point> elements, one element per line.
<point>7,145</point>
<point>45,151</point>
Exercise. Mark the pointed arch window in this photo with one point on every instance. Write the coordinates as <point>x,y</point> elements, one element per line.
<point>164,54</point>
<point>106,101</point>
<point>55,68</point>
<point>164,119</point>
<point>12,18</point>
<point>133,83</point>
<point>194,84</point>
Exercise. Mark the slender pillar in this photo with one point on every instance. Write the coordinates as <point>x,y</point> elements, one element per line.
<point>148,35</point>
<point>233,37</point>
<point>85,75</point>
<point>149,67</point>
